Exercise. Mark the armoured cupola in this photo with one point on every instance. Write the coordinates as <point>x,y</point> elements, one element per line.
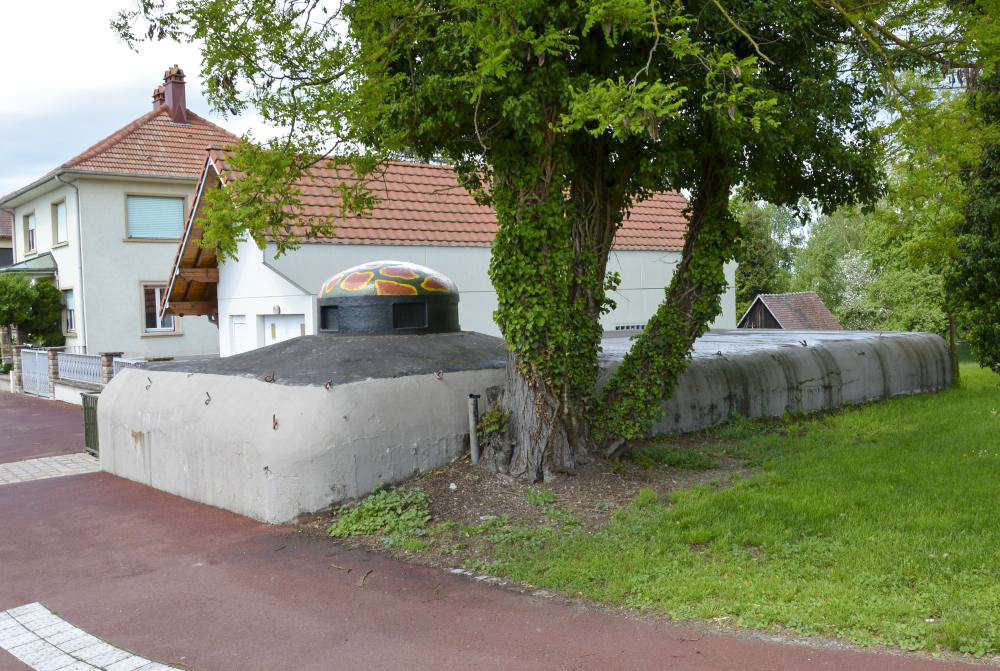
<point>388,297</point>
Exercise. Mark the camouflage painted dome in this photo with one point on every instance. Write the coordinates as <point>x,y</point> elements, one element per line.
<point>387,278</point>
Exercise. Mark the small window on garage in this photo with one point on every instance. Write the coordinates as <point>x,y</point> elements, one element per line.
<point>155,217</point>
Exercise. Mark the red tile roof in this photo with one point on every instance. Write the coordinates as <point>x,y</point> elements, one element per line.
<point>153,145</point>
<point>421,204</point>
<point>800,310</point>
<point>6,224</point>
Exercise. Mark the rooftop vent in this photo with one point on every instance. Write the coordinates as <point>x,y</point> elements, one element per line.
<point>388,297</point>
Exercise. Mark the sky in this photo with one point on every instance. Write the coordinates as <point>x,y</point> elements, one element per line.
<point>69,82</point>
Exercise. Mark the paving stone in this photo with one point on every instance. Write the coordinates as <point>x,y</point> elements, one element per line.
<point>48,467</point>
<point>129,664</point>
<point>45,642</point>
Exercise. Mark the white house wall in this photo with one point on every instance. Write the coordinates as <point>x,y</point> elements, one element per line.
<point>259,283</point>
<point>115,267</point>
<point>247,287</point>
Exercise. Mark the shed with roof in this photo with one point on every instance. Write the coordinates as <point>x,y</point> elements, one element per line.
<point>801,310</point>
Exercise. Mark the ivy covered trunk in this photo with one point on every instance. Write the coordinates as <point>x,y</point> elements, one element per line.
<point>631,401</point>
<point>548,266</point>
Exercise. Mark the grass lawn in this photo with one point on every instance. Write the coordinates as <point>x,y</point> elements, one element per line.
<point>879,524</point>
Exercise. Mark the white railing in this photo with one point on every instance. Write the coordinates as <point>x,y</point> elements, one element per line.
<point>80,367</point>
<point>121,362</point>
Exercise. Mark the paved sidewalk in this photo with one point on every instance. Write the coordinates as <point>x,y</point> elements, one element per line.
<point>47,467</point>
<point>33,427</point>
<point>44,641</point>
<point>198,588</point>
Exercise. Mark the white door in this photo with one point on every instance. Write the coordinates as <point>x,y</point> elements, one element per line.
<point>278,328</point>
<point>241,339</point>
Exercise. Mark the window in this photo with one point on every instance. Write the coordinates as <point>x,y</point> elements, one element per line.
<point>328,318</point>
<point>29,232</point>
<point>59,223</point>
<point>70,309</point>
<point>409,315</point>
<point>154,217</point>
<point>152,294</point>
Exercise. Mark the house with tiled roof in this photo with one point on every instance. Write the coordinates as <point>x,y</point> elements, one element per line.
<point>801,310</point>
<point>104,227</point>
<point>423,215</point>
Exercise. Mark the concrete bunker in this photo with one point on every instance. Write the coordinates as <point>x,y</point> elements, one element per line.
<point>377,397</point>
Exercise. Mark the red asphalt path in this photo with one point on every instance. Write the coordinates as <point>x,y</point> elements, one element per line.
<point>208,590</point>
<point>32,427</point>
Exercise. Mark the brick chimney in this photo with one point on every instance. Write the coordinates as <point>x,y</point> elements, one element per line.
<point>173,95</point>
<point>158,97</point>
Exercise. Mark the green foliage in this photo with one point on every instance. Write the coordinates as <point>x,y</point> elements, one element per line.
<point>44,324</point>
<point>770,237</point>
<point>539,496</point>
<point>493,422</point>
<point>673,456</point>
<point>852,530</point>
<point>35,309</point>
<point>393,512</point>
<point>16,296</point>
<point>974,279</point>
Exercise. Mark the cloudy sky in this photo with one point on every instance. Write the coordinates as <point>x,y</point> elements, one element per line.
<point>68,82</point>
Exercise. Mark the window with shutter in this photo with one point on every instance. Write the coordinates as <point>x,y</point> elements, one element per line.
<point>29,233</point>
<point>155,217</point>
<point>59,223</point>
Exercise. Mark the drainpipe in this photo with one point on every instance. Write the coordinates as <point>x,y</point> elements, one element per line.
<point>79,254</point>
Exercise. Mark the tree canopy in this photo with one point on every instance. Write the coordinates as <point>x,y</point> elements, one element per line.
<point>974,277</point>
<point>34,309</point>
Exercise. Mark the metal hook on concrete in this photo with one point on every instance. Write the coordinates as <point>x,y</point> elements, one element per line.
<point>149,385</point>
<point>274,422</point>
<point>208,398</point>
<point>439,375</point>
<point>269,377</point>
<point>328,384</point>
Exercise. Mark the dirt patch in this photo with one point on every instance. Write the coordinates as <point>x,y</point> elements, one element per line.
<point>467,502</point>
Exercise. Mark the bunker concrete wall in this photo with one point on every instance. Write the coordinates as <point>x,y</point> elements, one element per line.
<point>272,451</point>
<point>774,381</point>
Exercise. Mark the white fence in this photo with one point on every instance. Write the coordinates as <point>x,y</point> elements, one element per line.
<point>80,367</point>
<point>120,362</point>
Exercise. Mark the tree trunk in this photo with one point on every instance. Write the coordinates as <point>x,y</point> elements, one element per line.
<point>545,435</point>
<point>548,267</point>
<point>952,349</point>
<point>631,401</point>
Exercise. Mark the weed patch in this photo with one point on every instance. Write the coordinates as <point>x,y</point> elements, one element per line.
<point>398,514</point>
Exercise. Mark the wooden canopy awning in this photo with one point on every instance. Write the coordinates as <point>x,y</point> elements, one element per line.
<point>194,279</point>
